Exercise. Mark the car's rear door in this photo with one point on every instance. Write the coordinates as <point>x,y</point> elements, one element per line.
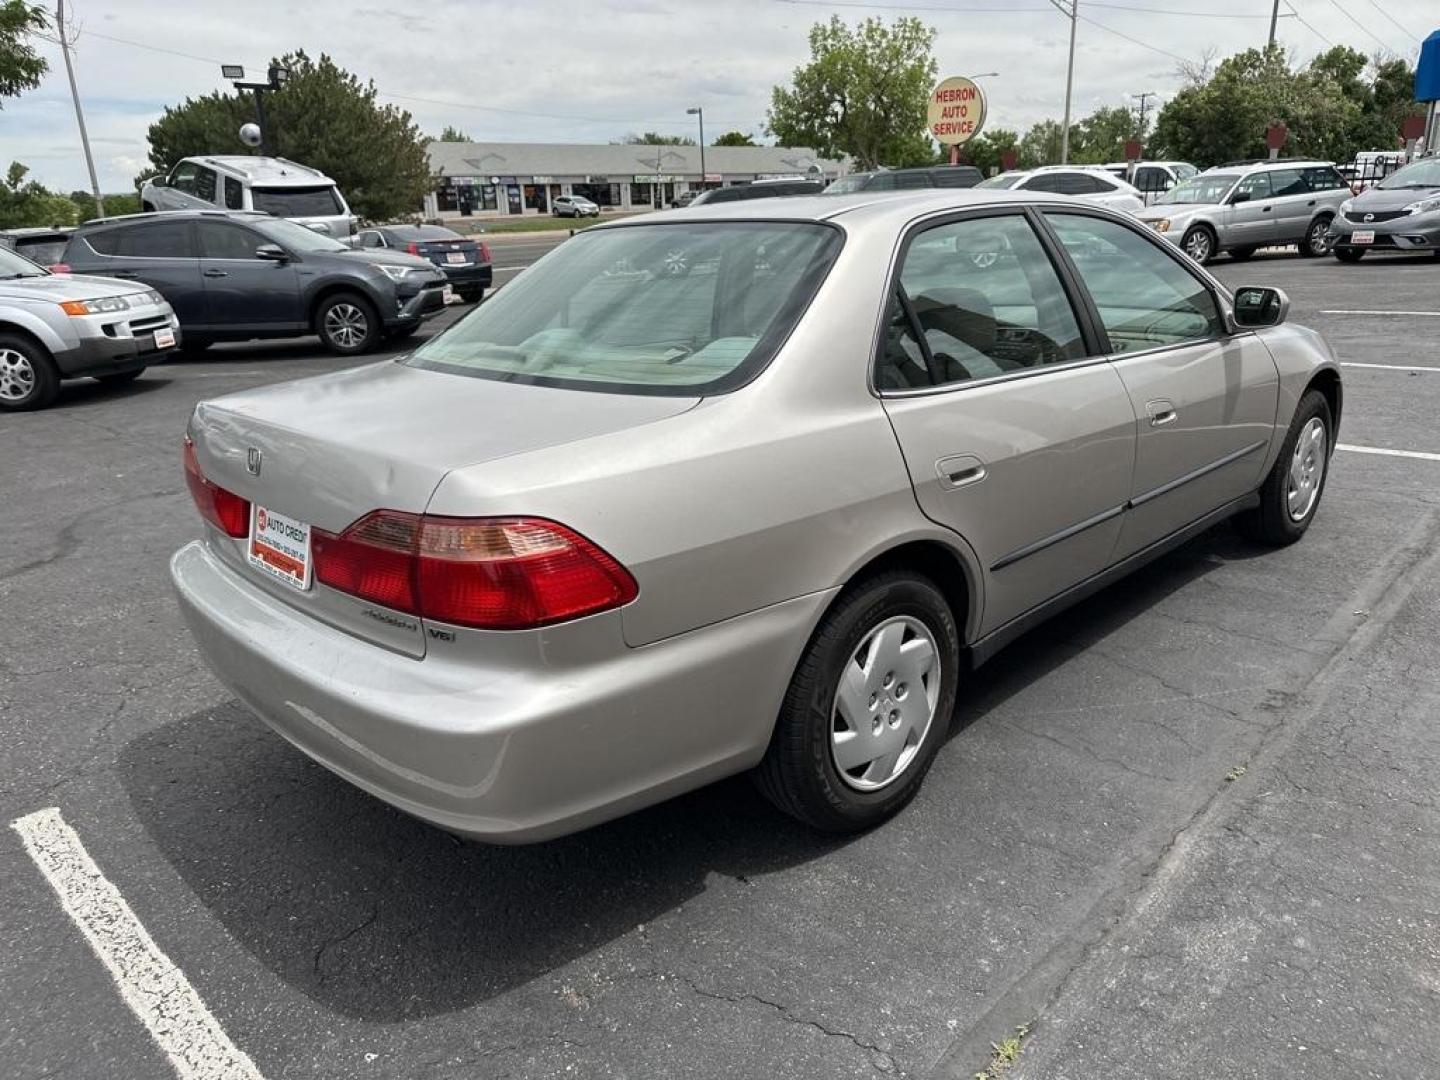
<point>160,252</point>
<point>1016,434</point>
<point>1248,219</point>
<point>1204,399</point>
<point>242,290</point>
<point>1294,204</point>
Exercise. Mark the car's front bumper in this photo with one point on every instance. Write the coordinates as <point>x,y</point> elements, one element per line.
<point>116,342</point>
<point>425,302</point>
<point>538,738</point>
<point>1414,232</point>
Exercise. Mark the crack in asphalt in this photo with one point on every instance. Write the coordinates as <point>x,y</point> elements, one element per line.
<point>340,939</point>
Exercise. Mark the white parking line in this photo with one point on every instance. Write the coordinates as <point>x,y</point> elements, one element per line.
<point>1390,367</point>
<point>508,269</point>
<point>154,988</point>
<point>1420,454</point>
<point>1345,311</point>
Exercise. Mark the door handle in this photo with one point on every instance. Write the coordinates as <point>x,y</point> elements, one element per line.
<point>216,273</point>
<point>960,471</point>
<point>1264,209</point>
<point>1161,412</point>
<point>1310,203</point>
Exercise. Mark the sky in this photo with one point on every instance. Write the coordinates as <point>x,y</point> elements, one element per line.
<point>593,71</point>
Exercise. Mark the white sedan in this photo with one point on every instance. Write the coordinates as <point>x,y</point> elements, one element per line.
<point>1095,185</point>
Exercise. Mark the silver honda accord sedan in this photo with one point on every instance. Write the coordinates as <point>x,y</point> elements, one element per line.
<point>750,487</point>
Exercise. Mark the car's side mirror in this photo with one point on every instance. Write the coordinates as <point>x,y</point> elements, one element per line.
<point>1239,197</point>
<point>273,252</point>
<point>1258,306</point>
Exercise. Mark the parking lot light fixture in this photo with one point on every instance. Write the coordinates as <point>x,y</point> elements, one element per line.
<point>696,110</point>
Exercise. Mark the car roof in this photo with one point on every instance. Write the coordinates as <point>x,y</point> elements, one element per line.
<point>270,171</point>
<point>181,215</point>
<point>27,231</point>
<point>1264,164</point>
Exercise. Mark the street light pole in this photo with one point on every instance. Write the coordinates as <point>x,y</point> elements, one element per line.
<point>79,114</point>
<point>697,111</point>
<point>1074,14</point>
<point>1274,17</point>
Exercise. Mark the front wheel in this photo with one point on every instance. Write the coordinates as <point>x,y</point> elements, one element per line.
<point>868,706</point>
<point>1291,492</point>
<point>1199,244</point>
<point>1348,255</point>
<point>29,378</point>
<point>347,324</point>
<point>1317,239</point>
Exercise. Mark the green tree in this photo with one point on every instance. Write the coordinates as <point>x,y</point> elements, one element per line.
<point>652,138</point>
<point>25,202</point>
<point>323,117</point>
<point>985,149</point>
<point>734,138</point>
<point>1101,136</point>
<point>863,93</point>
<point>1041,145</point>
<point>124,202</point>
<point>20,65</point>
<point>453,134</point>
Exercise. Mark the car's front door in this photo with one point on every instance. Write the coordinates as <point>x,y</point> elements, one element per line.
<point>242,290</point>
<point>1015,433</point>
<point>179,190</point>
<point>161,253</point>
<point>1204,399</point>
<point>1248,219</point>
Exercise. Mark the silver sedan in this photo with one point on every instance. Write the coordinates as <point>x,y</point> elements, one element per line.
<point>749,487</point>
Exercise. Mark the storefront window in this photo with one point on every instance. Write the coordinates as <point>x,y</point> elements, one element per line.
<point>535,198</point>
<point>487,198</point>
<point>640,194</point>
<point>446,199</point>
<point>599,194</point>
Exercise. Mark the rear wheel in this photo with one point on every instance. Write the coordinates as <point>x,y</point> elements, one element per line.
<point>868,706</point>
<point>120,379</point>
<point>347,324</point>
<point>1350,255</point>
<point>471,296</point>
<point>29,378</point>
<point>1317,239</point>
<point>1199,244</point>
<point>1291,492</point>
<point>1240,254</point>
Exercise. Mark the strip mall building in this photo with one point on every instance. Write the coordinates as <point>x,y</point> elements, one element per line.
<point>501,179</point>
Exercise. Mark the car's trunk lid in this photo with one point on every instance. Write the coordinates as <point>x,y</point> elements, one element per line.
<point>329,450</point>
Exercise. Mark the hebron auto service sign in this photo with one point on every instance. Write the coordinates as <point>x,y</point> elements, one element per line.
<point>957,111</point>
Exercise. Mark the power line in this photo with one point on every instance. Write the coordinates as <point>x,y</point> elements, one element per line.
<point>1336,5</point>
<point>946,8</point>
<point>1135,41</point>
<point>1375,4</point>
<point>1305,23</point>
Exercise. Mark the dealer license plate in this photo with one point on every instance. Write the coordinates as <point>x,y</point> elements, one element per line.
<point>164,339</point>
<point>1363,236</point>
<point>279,546</point>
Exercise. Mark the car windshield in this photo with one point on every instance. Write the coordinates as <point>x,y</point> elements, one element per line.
<point>1003,181</point>
<point>648,309</point>
<point>17,266</point>
<point>295,237</point>
<point>1184,170</point>
<point>322,201</point>
<point>1206,188</point>
<point>848,185</point>
<point>1420,174</point>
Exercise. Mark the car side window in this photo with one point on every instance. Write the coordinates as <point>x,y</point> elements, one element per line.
<point>1145,297</point>
<point>156,240</point>
<point>983,300</point>
<point>371,239</point>
<point>105,243</point>
<point>1254,187</point>
<point>909,180</point>
<point>205,184</point>
<point>1074,183</point>
<point>182,178</point>
<point>1041,182</point>
<point>1150,179</point>
<point>1324,178</point>
<point>234,194</point>
<point>219,240</point>
<point>1285,182</point>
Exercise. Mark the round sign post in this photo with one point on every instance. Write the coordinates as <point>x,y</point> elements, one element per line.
<point>1275,136</point>
<point>956,113</point>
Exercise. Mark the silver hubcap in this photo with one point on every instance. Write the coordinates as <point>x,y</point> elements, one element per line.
<point>1198,246</point>
<point>1307,469</point>
<point>1320,238</point>
<point>885,703</point>
<point>17,377</point>
<point>346,325</point>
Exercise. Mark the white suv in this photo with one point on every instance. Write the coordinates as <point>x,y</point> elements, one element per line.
<point>1082,181</point>
<point>243,182</point>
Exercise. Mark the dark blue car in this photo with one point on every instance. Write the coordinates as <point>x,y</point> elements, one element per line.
<point>465,262</point>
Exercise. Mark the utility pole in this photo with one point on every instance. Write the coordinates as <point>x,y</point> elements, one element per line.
<point>699,112</point>
<point>79,114</point>
<point>1274,18</point>
<point>1074,14</point>
<point>1142,98</point>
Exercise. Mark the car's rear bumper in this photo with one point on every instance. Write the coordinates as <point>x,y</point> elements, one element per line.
<point>470,277</point>
<point>513,747</point>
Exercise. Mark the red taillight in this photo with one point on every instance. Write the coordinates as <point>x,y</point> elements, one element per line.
<point>490,573</point>
<point>484,251</point>
<point>59,268</point>
<point>225,510</point>
<point>413,248</point>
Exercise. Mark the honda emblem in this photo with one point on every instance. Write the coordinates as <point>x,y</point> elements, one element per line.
<point>252,461</point>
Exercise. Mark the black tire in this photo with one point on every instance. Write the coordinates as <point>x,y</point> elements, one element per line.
<point>403,333</point>
<point>1240,254</point>
<point>471,296</point>
<point>1348,255</point>
<point>29,378</point>
<point>1272,522</point>
<point>347,324</point>
<point>799,773</point>
<point>1315,243</point>
<point>120,379</point>
<point>1199,243</point>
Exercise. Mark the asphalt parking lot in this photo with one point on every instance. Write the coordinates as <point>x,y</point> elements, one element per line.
<point>1188,829</point>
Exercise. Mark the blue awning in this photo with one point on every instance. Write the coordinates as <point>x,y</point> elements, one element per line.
<point>1427,71</point>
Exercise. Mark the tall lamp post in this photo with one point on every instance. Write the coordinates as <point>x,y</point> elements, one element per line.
<point>278,77</point>
<point>699,112</point>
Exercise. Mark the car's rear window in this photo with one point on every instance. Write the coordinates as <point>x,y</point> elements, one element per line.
<point>43,251</point>
<point>322,201</point>
<point>848,185</point>
<point>678,309</point>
